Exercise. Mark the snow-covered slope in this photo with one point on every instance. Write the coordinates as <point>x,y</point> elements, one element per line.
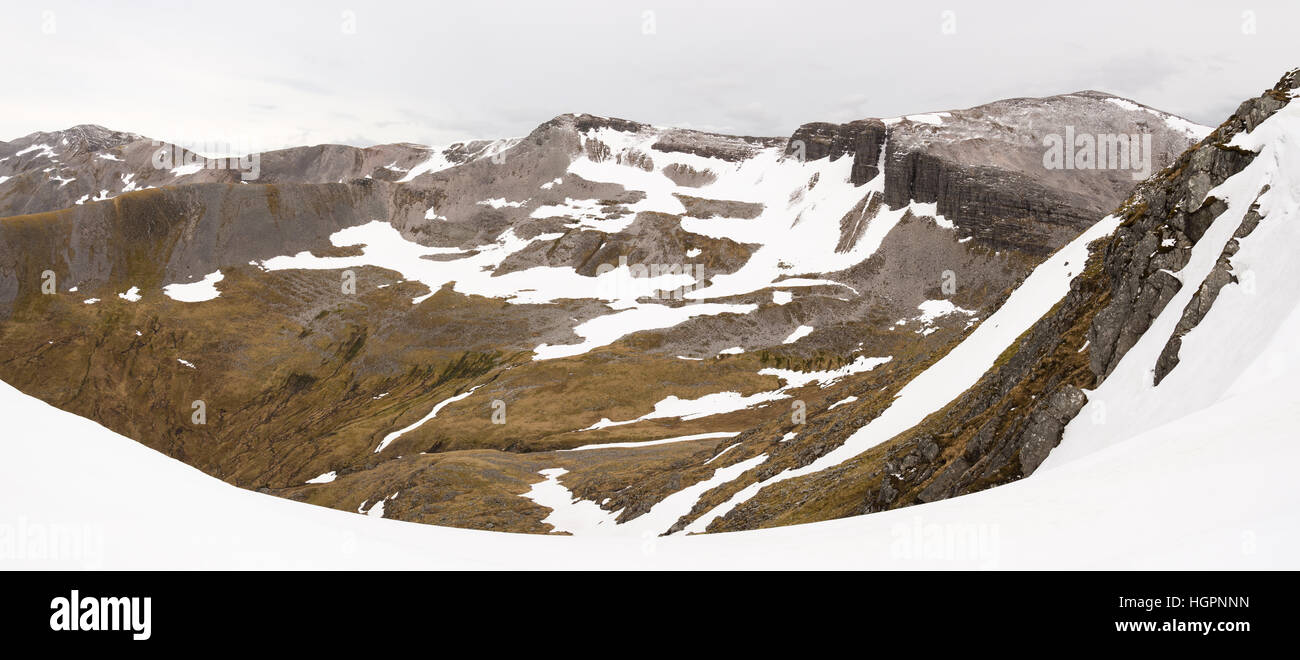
<point>955,372</point>
<point>1246,344</point>
<point>1193,493</point>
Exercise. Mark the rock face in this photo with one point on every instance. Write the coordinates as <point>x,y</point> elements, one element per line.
<point>1140,259</point>
<point>975,166</point>
<point>182,233</point>
<point>1205,296</point>
<point>861,140</point>
<point>1043,432</point>
<point>445,323</point>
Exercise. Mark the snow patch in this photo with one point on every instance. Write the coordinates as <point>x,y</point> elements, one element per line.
<point>432,414</point>
<point>46,151</point>
<point>501,203</point>
<point>200,291</point>
<point>799,333</point>
<point>663,441</point>
<point>186,170</point>
<point>326,478</point>
<point>841,402</point>
<point>719,403</point>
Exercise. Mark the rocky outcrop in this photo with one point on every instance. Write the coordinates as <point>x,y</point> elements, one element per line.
<point>862,140</point>
<point>1046,424</point>
<point>711,145</point>
<point>1129,284</point>
<point>1220,276</point>
<point>1138,263</point>
<point>685,175</point>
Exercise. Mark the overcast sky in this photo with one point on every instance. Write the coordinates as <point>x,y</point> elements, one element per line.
<point>276,73</point>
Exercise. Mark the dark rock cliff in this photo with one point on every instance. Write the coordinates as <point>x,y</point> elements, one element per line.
<point>989,178</point>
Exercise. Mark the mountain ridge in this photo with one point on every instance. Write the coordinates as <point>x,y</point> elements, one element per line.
<point>506,277</point>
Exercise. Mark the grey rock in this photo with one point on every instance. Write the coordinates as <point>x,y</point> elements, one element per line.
<point>1046,424</point>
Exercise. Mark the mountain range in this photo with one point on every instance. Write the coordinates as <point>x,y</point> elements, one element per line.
<point>611,328</point>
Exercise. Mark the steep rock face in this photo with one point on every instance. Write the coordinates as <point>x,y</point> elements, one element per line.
<point>986,171</point>
<point>156,237</point>
<point>862,140</point>
<point>1003,209</point>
